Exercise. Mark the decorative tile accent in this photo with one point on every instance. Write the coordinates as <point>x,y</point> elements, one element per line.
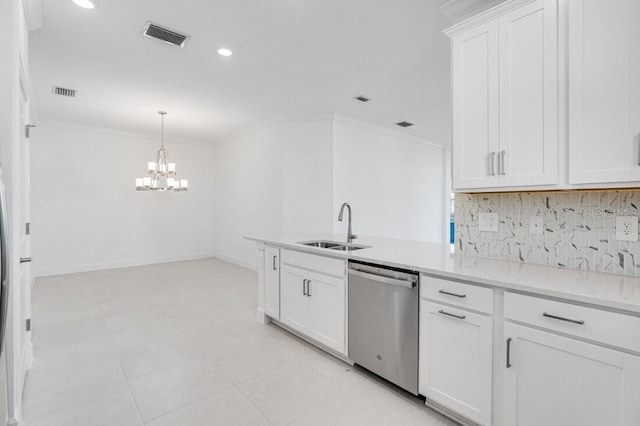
<point>579,229</point>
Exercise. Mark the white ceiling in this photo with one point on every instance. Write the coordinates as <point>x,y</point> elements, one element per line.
<point>289,56</point>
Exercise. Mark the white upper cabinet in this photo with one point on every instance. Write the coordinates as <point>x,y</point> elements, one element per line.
<point>505,97</point>
<point>475,103</point>
<point>604,91</point>
<point>529,95</point>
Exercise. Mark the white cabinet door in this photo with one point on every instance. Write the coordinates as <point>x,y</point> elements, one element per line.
<point>475,107</point>
<point>456,360</point>
<point>272,282</point>
<point>604,91</point>
<point>293,299</point>
<point>529,95</point>
<point>556,380</point>
<point>327,310</point>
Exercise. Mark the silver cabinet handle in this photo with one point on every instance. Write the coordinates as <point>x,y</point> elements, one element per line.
<point>509,352</point>
<point>451,315</point>
<point>501,163</point>
<point>492,163</point>
<point>452,294</point>
<point>25,259</point>
<point>274,263</point>
<point>309,288</point>
<point>304,287</point>
<point>563,318</point>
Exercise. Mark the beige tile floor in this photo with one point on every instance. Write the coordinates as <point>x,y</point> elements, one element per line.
<point>179,344</point>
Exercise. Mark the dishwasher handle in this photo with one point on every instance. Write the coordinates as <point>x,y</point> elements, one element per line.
<point>383,280</point>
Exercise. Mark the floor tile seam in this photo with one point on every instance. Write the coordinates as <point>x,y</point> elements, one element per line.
<point>54,308</point>
<point>185,334</point>
<point>135,401</point>
<point>195,401</point>
<point>137,345</point>
<point>252,403</point>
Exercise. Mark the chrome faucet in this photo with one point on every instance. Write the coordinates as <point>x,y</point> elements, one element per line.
<point>350,236</point>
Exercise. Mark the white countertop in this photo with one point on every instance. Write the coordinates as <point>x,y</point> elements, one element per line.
<point>612,291</point>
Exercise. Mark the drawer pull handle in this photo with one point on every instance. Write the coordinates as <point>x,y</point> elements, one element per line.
<point>563,319</point>
<point>451,315</point>
<point>452,294</point>
<point>509,352</point>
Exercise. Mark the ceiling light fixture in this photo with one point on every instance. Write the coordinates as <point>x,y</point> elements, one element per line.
<point>162,174</point>
<point>86,4</point>
<point>224,52</point>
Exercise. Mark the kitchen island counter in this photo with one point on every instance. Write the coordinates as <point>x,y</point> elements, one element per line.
<point>611,291</point>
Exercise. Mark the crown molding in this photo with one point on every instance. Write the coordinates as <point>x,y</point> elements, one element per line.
<point>116,132</point>
<point>319,118</point>
<point>272,121</point>
<point>33,14</point>
<point>382,129</point>
<point>473,18</point>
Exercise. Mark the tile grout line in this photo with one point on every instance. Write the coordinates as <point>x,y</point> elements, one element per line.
<point>124,375</point>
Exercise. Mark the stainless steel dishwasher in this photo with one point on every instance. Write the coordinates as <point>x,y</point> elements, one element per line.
<point>383,322</point>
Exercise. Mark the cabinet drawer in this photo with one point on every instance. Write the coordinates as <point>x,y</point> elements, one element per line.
<point>594,324</point>
<point>326,265</point>
<point>455,293</point>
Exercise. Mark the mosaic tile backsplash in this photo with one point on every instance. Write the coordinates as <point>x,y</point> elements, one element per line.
<point>579,229</point>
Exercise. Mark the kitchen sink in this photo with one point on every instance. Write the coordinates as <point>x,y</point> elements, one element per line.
<point>333,245</point>
<point>322,244</point>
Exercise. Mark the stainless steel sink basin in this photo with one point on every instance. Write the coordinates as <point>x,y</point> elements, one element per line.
<point>333,245</point>
<point>322,244</point>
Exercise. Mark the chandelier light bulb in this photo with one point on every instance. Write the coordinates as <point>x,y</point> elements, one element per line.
<point>161,173</point>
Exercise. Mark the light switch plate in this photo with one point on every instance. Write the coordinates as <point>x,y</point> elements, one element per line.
<point>488,222</point>
<point>627,228</point>
<point>536,225</point>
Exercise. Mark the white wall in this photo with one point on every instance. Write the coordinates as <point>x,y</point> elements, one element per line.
<point>292,174</point>
<point>394,183</point>
<point>273,178</point>
<point>87,215</point>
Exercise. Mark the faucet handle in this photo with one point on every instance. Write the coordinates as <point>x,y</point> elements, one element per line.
<point>354,237</point>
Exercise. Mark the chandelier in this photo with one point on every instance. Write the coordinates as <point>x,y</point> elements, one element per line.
<point>162,174</point>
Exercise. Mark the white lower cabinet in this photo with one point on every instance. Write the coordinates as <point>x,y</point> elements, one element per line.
<point>272,282</point>
<point>456,360</point>
<point>293,298</point>
<point>315,305</point>
<point>555,380</point>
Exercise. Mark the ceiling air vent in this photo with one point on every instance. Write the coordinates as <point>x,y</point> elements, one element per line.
<point>404,124</point>
<point>362,99</point>
<point>70,93</point>
<point>165,34</point>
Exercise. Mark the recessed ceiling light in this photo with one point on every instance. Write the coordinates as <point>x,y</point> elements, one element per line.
<point>86,4</point>
<point>224,52</point>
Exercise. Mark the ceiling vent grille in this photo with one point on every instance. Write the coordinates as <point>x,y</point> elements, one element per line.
<point>362,98</point>
<point>404,124</point>
<point>61,91</point>
<point>165,34</point>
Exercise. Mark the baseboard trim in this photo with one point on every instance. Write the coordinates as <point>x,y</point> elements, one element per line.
<point>122,264</point>
<point>237,261</point>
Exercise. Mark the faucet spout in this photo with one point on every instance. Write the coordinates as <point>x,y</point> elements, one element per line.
<point>350,236</point>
